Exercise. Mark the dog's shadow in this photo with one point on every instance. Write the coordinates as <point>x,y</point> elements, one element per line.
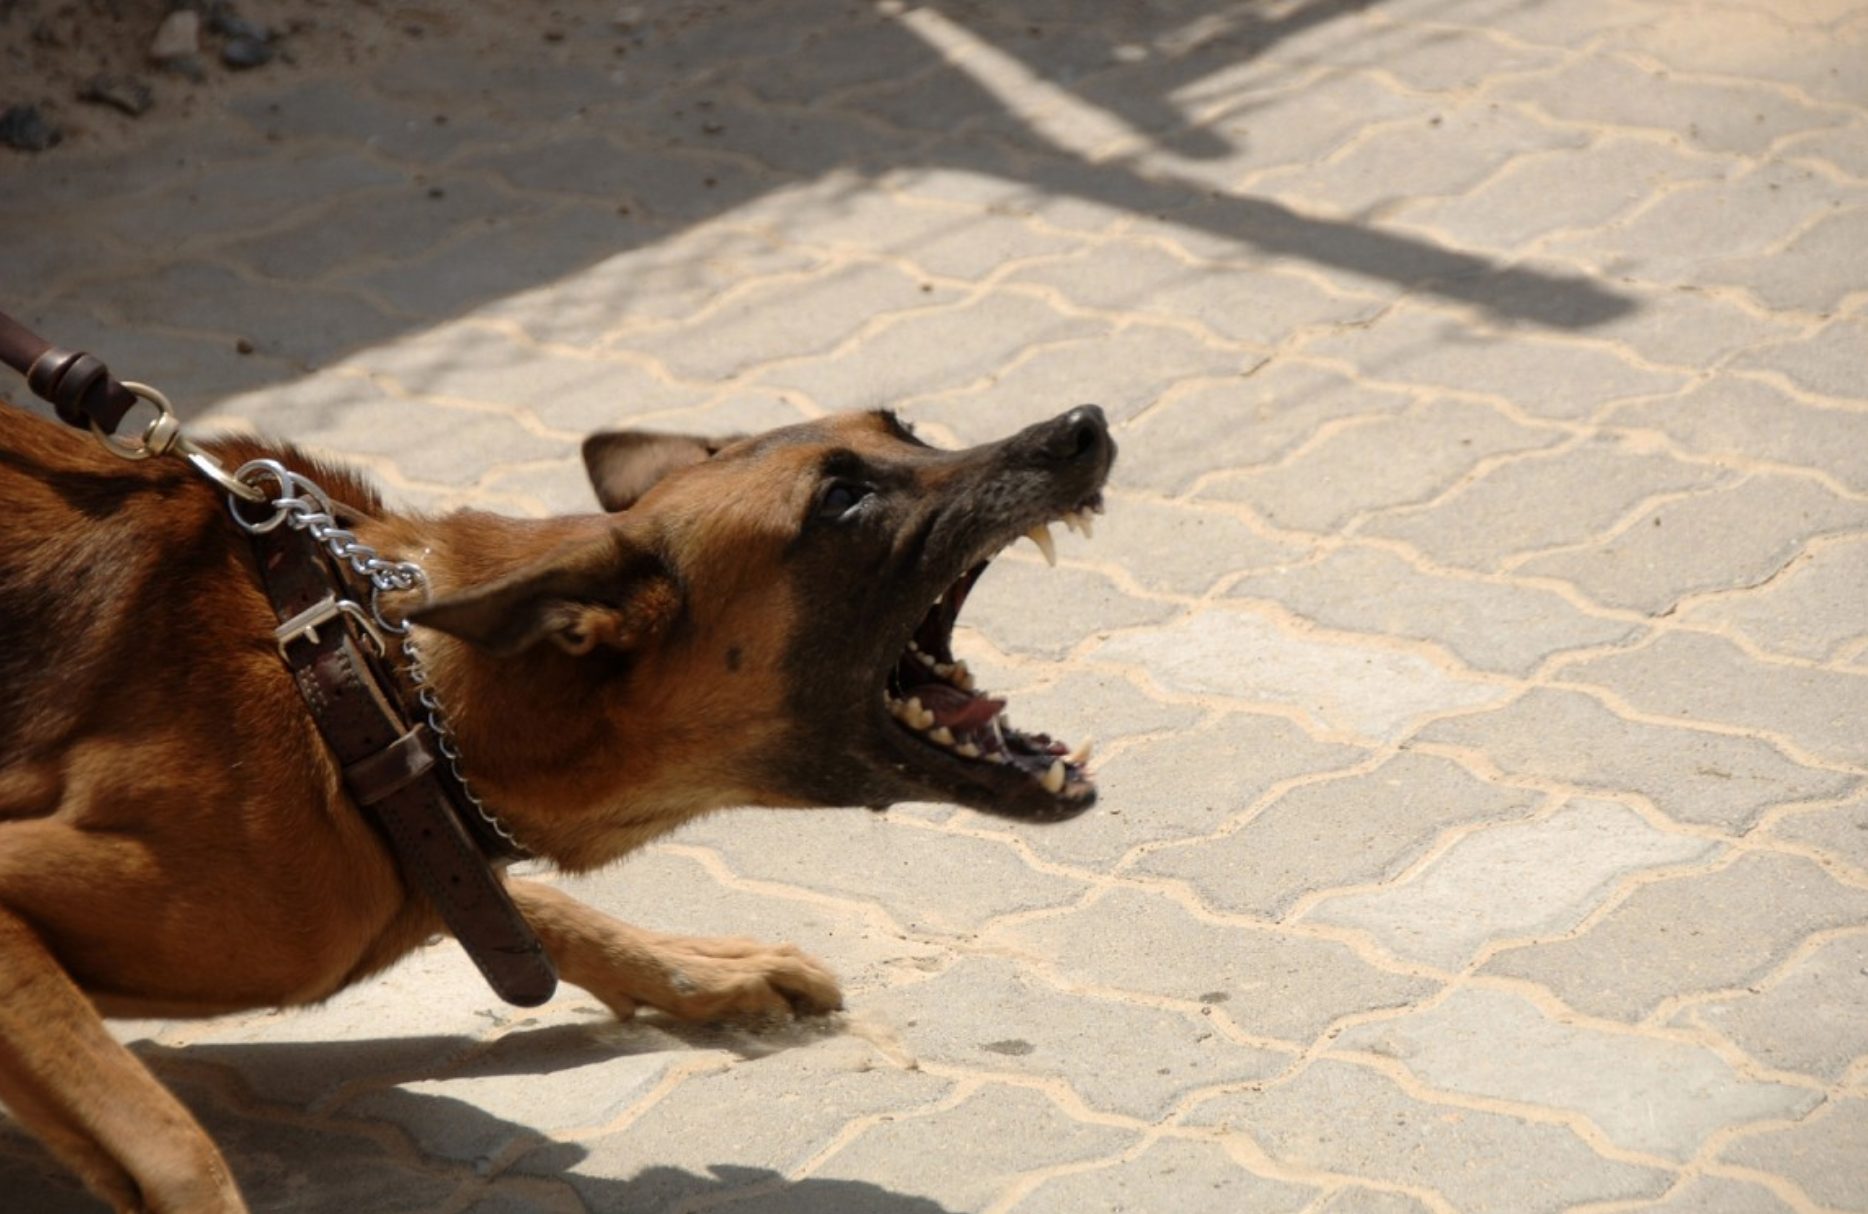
<point>338,1127</point>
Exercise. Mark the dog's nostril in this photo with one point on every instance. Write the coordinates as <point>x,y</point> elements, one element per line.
<point>1080,433</point>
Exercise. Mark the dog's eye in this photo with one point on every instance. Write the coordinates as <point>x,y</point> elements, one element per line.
<point>841,497</point>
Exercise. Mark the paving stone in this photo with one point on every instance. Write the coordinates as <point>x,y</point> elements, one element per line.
<point>1542,376</point>
<point>1828,363</point>
<point>853,217</point>
<point>1163,789</point>
<point>1570,188</point>
<point>204,201</point>
<point>635,283</point>
<point>1822,1155</point>
<point>1815,272</point>
<point>1241,305</point>
<point>1489,625</point>
<point>334,109</point>
<point>1843,149</point>
<point>1369,692</point>
<point>1806,611</point>
<point>524,1088</point>
<point>999,1134</point>
<point>1719,1195</point>
<point>1807,47</point>
<point>35,1181</point>
<point>1685,330</point>
<point>1539,501</point>
<point>1652,1095</point>
<point>935,350</point>
<point>1694,677</point>
<point>1808,1020</point>
<point>984,1014</point>
<point>1371,1201</point>
<point>1077,604</point>
<point>1728,416</point>
<point>930,881</point>
<point>1173,1174</point>
<point>664,891</point>
<point>814,317</point>
<point>1346,831</point>
<point>1265,415</point>
<point>1422,61</point>
<point>1839,830</point>
<point>1125,372</point>
<point>1690,775</point>
<point>846,54</point>
<point>1681,234</point>
<point>1354,471</point>
<point>1354,1121</point>
<point>1269,983</point>
<point>1686,934</point>
<point>499,255</point>
<point>1187,546</point>
<point>657,184</point>
<point>698,1140</point>
<point>793,141</point>
<point>1455,148</point>
<point>1727,116</point>
<point>1725,538</point>
<point>1526,879</point>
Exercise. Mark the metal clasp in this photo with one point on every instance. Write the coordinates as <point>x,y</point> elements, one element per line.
<point>163,435</point>
<point>304,626</point>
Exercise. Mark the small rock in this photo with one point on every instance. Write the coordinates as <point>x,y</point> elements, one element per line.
<point>178,36</point>
<point>188,67</point>
<point>25,128</point>
<point>126,93</point>
<point>243,346</point>
<point>243,53</point>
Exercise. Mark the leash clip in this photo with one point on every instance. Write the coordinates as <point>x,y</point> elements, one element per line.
<point>163,435</point>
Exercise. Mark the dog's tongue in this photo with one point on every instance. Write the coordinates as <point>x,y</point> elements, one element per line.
<point>956,709</point>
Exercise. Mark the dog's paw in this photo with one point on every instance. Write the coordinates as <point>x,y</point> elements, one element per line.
<point>734,979</point>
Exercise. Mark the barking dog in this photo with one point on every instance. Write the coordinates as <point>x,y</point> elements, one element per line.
<point>762,621</point>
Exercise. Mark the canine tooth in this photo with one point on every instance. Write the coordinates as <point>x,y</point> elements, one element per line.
<point>962,677</point>
<point>943,735</point>
<point>1054,779</point>
<point>1041,536</point>
<point>1081,754</point>
<point>1084,518</point>
<point>967,750</point>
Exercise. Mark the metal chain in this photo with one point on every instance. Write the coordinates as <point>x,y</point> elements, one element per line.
<point>301,505</point>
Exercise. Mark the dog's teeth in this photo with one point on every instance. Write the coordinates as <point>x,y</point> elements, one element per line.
<point>926,659</point>
<point>1084,520</point>
<point>1081,755</point>
<point>1054,779</point>
<point>967,750</point>
<point>962,677</point>
<point>1041,536</point>
<point>943,735</point>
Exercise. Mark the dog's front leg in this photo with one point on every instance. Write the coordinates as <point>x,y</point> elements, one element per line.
<point>692,977</point>
<point>90,1100</point>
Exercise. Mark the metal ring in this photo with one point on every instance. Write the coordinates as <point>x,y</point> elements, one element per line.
<point>158,436</point>
<point>252,473</point>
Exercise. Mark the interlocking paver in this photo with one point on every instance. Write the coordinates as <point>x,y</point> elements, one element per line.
<point>1353,470</point>
<point>1690,774</point>
<point>1525,879</point>
<point>1356,1122</point>
<point>1268,983</point>
<point>1374,705</point>
<point>1822,1155</point>
<point>1809,1020</point>
<point>1688,934</point>
<point>1741,536</point>
<point>1120,1056</point>
<point>1173,1174</point>
<point>1650,1095</point>
<point>1333,832</point>
<point>1492,626</point>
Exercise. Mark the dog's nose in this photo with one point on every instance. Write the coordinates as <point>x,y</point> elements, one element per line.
<point>1081,434</point>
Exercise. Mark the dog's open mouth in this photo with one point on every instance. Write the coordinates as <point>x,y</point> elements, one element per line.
<point>933,696</point>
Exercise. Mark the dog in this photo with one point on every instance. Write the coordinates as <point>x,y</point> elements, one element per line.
<point>758,621</point>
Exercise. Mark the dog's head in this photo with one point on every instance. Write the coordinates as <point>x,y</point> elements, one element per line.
<point>780,607</point>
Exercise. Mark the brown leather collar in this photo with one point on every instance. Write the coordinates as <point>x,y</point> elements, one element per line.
<point>393,765</point>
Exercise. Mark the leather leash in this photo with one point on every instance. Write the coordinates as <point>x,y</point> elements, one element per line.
<point>394,767</point>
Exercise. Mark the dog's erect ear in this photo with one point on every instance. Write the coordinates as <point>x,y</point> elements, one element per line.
<point>610,593</point>
<point>625,464</point>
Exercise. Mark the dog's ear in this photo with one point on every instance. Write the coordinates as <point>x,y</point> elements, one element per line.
<point>610,594</point>
<point>625,464</point>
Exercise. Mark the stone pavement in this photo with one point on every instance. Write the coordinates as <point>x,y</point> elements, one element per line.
<point>1476,642</point>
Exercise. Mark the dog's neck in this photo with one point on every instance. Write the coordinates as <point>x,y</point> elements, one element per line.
<point>569,766</point>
